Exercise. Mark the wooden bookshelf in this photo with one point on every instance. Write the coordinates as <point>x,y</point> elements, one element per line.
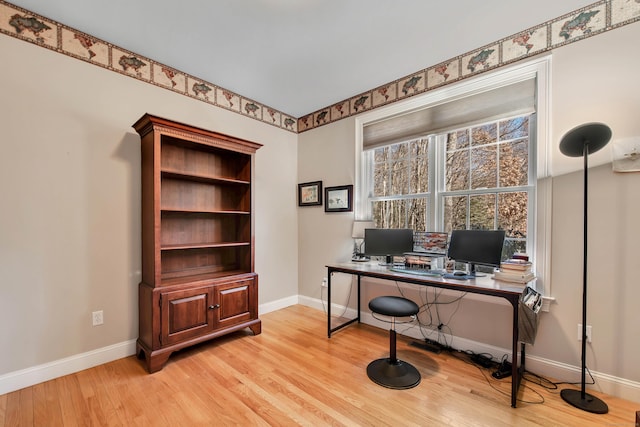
<point>198,279</point>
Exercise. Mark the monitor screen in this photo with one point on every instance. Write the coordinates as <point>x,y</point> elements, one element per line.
<point>482,247</point>
<point>387,242</point>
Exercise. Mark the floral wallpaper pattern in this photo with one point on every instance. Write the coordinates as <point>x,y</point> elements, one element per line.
<point>601,16</point>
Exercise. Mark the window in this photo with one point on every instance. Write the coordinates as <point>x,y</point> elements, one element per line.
<point>475,177</point>
<point>469,155</point>
<point>487,184</point>
<point>400,186</point>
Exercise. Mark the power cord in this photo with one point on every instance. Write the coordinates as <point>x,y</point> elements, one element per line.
<point>434,323</point>
<point>482,361</point>
<point>551,385</point>
<point>492,382</point>
<point>539,380</point>
<point>346,306</point>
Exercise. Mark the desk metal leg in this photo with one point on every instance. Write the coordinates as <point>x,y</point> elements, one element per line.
<point>329,272</point>
<point>359,298</point>
<point>515,370</point>
<point>356,319</point>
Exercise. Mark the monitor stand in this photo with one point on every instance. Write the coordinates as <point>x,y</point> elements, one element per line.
<point>473,272</point>
<point>388,261</point>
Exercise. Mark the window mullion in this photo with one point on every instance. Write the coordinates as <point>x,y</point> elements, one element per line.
<point>437,159</point>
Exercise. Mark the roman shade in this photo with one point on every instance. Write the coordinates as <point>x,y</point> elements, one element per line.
<point>466,110</point>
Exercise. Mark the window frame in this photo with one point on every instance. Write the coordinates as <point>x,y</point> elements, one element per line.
<point>538,69</point>
<point>529,188</point>
<point>368,156</point>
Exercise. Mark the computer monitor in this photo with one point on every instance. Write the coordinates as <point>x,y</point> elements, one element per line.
<point>387,242</point>
<point>483,247</point>
<point>430,242</point>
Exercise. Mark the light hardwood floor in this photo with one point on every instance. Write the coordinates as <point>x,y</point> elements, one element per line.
<point>292,374</point>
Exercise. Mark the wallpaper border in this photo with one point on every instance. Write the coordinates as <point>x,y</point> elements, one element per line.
<point>591,20</point>
<point>31,27</point>
<point>586,22</point>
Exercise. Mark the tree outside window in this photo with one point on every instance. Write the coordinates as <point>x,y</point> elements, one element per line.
<point>484,181</point>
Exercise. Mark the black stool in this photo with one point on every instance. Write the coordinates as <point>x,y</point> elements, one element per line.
<point>392,372</point>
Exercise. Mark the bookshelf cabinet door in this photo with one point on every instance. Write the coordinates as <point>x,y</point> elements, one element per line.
<point>187,314</point>
<point>238,302</point>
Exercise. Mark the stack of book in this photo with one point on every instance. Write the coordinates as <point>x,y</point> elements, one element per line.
<point>516,269</point>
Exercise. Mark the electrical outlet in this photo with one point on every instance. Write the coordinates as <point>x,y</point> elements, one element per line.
<point>580,332</point>
<point>97,317</point>
<point>324,282</point>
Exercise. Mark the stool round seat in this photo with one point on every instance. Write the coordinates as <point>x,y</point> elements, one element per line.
<point>392,372</point>
<point>393,306</point>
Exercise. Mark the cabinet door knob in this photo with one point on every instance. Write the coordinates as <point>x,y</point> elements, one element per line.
<point>211,307</point>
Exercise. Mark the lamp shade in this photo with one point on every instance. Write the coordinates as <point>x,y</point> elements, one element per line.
<point>593,136</point>
<point>359,227</point>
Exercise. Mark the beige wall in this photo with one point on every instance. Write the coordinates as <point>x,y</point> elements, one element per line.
<point>596,80</point>
<point>70,216</point>
<point>592,80</point>
<point>69,223</point>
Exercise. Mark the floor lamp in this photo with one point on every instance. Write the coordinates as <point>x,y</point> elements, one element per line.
<point>582,141</point>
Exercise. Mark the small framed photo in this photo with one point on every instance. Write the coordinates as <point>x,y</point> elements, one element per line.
<point>310,194</point>
<point>338,199</point>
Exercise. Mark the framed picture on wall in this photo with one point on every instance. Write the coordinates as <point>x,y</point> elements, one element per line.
<point>338,199</point>
<point>310,194</point>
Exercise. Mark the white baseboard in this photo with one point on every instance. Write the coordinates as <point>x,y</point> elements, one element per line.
<point>614,386</point>
<point>336,310</point>
<point>277,305</point>
<point>609,384</point>
<point>605,383</point>
<point>35,375</point>
<point>17,380</point>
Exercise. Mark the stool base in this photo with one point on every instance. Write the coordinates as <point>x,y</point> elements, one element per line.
<point>396,375</point>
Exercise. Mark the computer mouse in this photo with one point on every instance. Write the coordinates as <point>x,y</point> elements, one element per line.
<point>459,273</point>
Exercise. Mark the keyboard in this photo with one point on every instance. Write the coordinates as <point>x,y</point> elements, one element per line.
<point>416,271</point>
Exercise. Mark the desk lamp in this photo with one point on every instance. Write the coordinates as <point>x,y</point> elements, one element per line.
<point>358,236</point>
<point>582,141</point>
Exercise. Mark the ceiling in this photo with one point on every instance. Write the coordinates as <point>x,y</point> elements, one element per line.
<point>299,56</point>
